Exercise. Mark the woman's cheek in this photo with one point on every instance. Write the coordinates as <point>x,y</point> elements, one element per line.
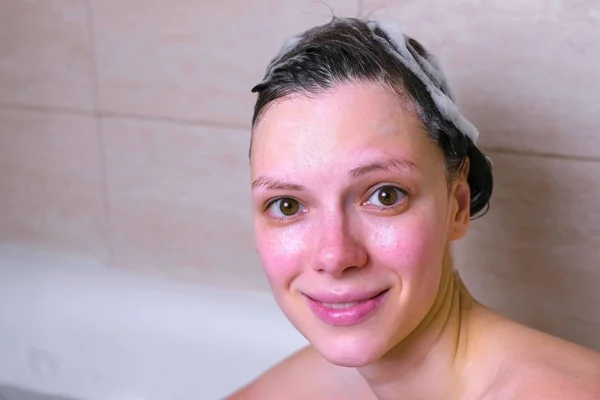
<point>281,251</point>
<point>406,246</point>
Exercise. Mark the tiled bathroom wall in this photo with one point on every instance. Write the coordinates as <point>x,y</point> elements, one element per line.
<point>124,129</point>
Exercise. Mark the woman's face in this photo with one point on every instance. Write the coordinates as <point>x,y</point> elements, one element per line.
<point>352,212</point>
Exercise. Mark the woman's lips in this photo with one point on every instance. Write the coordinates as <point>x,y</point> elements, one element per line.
<point>345,310</point>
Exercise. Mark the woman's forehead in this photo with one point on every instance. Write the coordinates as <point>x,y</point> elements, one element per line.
<point>349,121</point>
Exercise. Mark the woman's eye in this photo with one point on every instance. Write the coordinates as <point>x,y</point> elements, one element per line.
<point>285,207</point>
<point>387,196</point>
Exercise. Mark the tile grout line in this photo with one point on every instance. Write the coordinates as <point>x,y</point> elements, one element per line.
<point>108,225</point>
<point>45,109</point>
<point>119,115</point>
<point>176,121</point>
<point>547,155</point>
<point>491,150</point>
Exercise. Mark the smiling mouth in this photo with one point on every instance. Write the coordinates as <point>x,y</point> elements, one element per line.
<point>341,305</point>
<point>352,303</point>
<point>346,313</point>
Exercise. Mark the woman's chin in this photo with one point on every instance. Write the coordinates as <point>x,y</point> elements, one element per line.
<point>347,351</point>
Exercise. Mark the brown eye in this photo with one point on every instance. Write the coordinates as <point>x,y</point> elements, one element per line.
<point>285,207</point>
<point>387,196</point>
<point>288,207</point>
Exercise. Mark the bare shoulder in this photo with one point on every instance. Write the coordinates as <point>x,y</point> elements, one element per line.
<point>541,366</point>
<point>550,382</point>
<point>305,375</point>
<point>564,371</point>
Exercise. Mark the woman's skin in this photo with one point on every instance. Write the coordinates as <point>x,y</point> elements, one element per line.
<point>351,199</point>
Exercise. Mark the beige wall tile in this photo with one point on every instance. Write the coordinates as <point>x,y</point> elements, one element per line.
<point>525,72</point>
<point>193,60</point>
<point>45,57</point>
<point>180,201</point>
<point>50,182</point>
<point>535,256</point>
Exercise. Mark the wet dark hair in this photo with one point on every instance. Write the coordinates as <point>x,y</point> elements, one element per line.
<point>345,50</point>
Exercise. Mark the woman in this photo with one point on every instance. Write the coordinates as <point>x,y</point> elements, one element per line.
<point>364,171</point>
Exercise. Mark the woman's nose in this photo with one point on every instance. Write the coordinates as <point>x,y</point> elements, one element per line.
<point>338,247</point>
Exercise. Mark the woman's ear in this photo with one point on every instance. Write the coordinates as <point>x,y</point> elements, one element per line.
<point>460,204</point>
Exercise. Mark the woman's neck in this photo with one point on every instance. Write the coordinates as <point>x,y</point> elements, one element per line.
<point>428,363</point>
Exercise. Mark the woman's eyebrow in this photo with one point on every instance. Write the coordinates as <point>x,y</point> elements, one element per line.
<point>275,184</point>
<point>383,164</point>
